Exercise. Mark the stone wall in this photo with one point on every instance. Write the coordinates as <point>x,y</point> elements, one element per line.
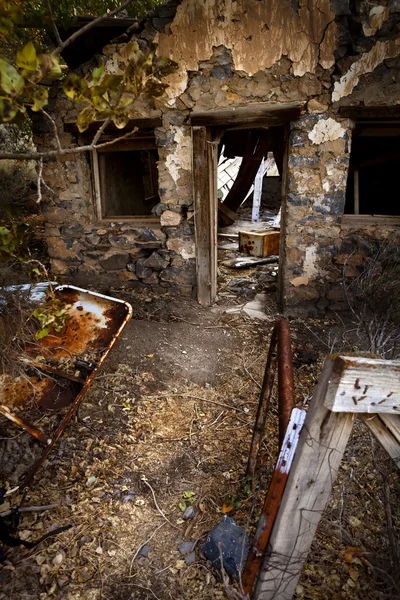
<point>233,54</point>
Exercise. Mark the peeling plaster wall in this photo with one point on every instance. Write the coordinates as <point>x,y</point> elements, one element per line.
<point>231,54</point>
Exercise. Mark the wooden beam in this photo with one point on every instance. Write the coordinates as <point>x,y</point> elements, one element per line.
<point>370,112</point>
<point>384,436</point>
<point>321,446</point>
<point>205,156</point>
<point>364,385</point>
<point>257,114</point>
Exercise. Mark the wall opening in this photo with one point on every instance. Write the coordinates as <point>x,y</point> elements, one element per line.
<point>126,179</point>
<point>250,165</point>
<point>372,185</point>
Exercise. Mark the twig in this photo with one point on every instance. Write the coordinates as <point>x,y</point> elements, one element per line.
<point>142,587</point>
<point>54,127</point>
<point>143,478</point>
<point>89,26</point>
<point>26,509</point>
<point>199,398</point>
<point>53,23</point>
<point>39,182</point>
<point>144,544</point>
<point>64,151</point>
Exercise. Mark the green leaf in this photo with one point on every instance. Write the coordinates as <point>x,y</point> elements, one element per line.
<point>85,117</point>
<point>97,74</point>
<point>120,120</point>
<point>26,57</point>
<point>6,26</point>
<point>4,231</point>
<point>111,82</point>
<point>40,98</point>
<point>8,110</point>
<point>11,81</point>
<point>42,333</point>
<point>48,67</point>
<point>75,87</point>
<point>182,506</point>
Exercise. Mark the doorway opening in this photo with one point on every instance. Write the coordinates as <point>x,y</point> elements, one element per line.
<point>249,190</point>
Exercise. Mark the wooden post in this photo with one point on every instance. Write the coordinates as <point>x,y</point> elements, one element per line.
<point>255,214</point>
<point>356,194</point>
<point>205,206</point>
<point>321,446</point>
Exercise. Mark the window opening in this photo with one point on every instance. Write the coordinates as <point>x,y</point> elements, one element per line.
<point>373,172</point>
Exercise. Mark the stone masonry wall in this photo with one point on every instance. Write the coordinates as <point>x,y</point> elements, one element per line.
<point>305,57</point>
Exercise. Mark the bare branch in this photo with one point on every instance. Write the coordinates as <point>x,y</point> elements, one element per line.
<point>53,23</point>
<point>63,151</point>
<point>89,26</point>
<point>54,127</point>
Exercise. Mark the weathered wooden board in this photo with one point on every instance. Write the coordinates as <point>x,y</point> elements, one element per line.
<point>205,204</point>
<point>384,436</point>
<point>321,446</point>
<point>259,114</point>
<point>364,385</point>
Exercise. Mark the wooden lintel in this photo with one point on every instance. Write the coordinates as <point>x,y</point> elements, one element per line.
<point>254,115</point>
<point>140,123</point>
<point>370,112</point>
<point>364,385</point>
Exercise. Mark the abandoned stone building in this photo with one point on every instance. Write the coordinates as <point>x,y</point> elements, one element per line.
<point>316,82</point>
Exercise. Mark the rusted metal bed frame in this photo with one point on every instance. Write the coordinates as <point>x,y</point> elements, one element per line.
<point>95,323</point>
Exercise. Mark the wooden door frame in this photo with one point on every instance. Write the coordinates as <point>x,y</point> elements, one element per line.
<point>207,130</point>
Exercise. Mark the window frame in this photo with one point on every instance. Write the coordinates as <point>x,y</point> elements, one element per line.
<point>133,145</point>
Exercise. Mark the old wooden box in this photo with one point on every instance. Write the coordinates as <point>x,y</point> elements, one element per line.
<point>259,243</point>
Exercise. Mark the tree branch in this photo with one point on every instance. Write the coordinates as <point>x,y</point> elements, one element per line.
<point>53,23</point>
<point>63,151</point>
<point>86,28</point>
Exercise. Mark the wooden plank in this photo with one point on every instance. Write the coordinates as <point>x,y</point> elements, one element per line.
<point>255,213</point>
<point>392,422</point>
<point>364,385</point>
<point>205,156</point>
<point>273,498</point>
<point>96,185</point>
<point>267,114</point>
<point>365,220</point>
<point>321,446</point>
<point>384,436</point>
<point>370,112</point>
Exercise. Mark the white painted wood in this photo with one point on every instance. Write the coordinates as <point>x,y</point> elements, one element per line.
<point>255,213</point>
<point>387,440</point>
<point>291,440</point>
<point>364,385</point>
<point>321,446</point>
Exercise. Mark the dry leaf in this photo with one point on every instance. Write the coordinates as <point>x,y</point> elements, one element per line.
<point>351,554</point>
<point>227,507</point>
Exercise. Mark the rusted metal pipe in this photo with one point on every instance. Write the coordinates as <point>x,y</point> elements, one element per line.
<point>36,433</point>
<point>285,377</point>
<point>263,405</point>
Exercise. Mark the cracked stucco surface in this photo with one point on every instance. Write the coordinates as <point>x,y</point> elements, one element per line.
<point>258,33</point>
<point>366,64</point>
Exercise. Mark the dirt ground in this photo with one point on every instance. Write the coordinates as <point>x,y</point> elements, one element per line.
<point>167,426</point>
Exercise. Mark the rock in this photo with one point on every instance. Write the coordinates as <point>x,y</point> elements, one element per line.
<point>317,107</point>
<point>242,286</point>
<point>189,513</point>
<point>152,280</point>
<point>155,261</point>
<point>113,260</point>
<point>122,241</point>
<point>57,248</point>
<point>190,558</point>
<point>147,236</point>
<point>158,209</point>
<point>141,270</point>
<point>169,218</point>
<point>185,248</point>
<point>93,239</point>
<point>131,267</point>
<point>72,231</point>
<point>222,73</point>
<point>186,547</point>
<point>145,551</point>
<point>234,546</point>
<point>59,267</point>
